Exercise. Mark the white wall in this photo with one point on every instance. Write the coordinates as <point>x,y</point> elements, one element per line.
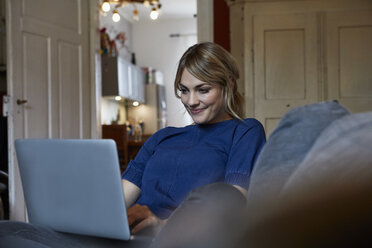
<point>113,28</point>
<point>154,48</point>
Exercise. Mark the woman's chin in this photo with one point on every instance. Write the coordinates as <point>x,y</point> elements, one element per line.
<point>199,120</point>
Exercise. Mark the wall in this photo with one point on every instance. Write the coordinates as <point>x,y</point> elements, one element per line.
<point>154,48</point>
<point>205,21</point>
<point>113,28</point>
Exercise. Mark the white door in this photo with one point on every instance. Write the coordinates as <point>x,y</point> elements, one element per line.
<point>48,77</point>
<point>349,58</point>
<point>285,65</point>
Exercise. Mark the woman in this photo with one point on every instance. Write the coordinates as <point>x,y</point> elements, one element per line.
<point>219,147</point>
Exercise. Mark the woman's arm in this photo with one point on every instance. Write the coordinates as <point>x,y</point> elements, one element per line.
<point>139,216</point>
<point>248,141</point>
<point>131,192</point>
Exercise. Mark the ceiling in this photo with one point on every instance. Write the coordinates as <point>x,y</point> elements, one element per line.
<point>171,9</point>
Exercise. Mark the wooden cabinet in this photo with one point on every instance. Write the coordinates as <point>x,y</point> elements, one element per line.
<point>349,58</point>
<point>297,52</point>
<point>285,65</point>
<point>134,146</point>
<point>118,133</point>
<point>127,146</point>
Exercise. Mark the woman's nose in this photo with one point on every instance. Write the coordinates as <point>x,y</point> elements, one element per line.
<point>193,100</point>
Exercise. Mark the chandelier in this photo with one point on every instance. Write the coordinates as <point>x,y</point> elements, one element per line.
<point>153,4</point>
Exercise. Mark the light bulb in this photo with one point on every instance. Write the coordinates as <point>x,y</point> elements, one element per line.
<point>117,98</point>
<point>135,15</point>
<point>154,14</point>
<point>146,3</point>
<point>105,6</point>
<point>115,16</point>
<point>135,103</point>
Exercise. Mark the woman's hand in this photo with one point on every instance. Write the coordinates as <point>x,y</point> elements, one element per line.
<point>141,217</point>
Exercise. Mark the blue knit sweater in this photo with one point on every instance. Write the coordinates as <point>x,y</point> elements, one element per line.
<point>176,160</point>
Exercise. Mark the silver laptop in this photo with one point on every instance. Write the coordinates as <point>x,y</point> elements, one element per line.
<point>73,186</point>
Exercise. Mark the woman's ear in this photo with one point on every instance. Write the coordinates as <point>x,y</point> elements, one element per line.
<point>233,84</point>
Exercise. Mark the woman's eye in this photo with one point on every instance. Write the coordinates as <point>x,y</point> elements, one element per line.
<point>183,91</point>
<point>203,91</point>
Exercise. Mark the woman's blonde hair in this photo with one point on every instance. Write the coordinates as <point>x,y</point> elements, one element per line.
<point>211,63</point>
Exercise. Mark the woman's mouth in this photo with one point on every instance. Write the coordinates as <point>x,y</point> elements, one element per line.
<point>196,111</point>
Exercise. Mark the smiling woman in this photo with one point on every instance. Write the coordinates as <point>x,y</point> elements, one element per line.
<point>219,147</point>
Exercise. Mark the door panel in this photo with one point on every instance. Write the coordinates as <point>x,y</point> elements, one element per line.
<point>288,46</point>
<point>63,14</point>
<point>349,59</point>
<point>36,84</point>
<point>285,65</point>
<point>70,87</point>
<point>48,67</point>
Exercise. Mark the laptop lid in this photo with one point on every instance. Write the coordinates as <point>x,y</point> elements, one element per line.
<point>73,186</point>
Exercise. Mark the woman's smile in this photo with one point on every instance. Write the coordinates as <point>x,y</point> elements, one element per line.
<point>196,111</point>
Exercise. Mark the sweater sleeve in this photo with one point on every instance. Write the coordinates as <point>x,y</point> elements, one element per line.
<point>247,143</point>
<point>136,167</point>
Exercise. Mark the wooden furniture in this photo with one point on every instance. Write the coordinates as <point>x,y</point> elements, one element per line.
<point>297,52</point>
<point>134,146</point>
<point>119,134</point>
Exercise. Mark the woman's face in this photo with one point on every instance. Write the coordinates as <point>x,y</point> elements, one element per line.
<point>202,100</point>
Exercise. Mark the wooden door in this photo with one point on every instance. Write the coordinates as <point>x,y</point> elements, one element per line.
<point>349,59</point>
<point>285,65</point>
<point>48,82</point>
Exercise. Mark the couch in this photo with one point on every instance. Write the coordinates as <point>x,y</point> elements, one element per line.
<point>316,190</point>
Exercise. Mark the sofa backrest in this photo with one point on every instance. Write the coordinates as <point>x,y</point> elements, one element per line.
<point>342,155</point>
<point>288,145</point>
<point>327,199</point>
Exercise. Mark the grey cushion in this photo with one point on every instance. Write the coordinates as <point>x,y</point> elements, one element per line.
<point>287,147</point>
<point>342,155</point>
<point>327,200</point>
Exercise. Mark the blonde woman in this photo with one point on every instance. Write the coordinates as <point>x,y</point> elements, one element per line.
<point>220,146</point>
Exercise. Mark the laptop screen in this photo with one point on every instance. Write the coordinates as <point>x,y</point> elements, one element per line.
<point>73,186</point>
